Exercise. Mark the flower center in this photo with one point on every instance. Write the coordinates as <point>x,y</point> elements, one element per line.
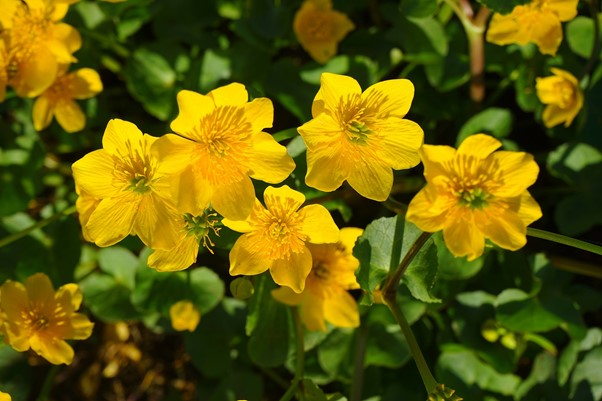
<point>473,198</point>
<point>566,94</point>
<point>320,271</point>
<point>201,226</point>
<point>318,27</point>
<point>135,169</point>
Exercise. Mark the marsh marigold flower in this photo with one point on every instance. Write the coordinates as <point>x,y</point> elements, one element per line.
<point>37,317</point>
<point>474,193</point>
<point>538,21</point>
<point>36,44</point>
<point>325,296</point>
<point>360,137</point>
<point>276,237</point>
<point>319,28</point>
<point>220,144</point>
<point>132,190</point>
<point>192,230</point>
<point>562,95</point>
<point>5,396</point>
<point>59,100</point>
<point>184,316</point>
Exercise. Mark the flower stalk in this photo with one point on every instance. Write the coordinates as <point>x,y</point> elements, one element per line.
<point>40,224</point>
<point>300,360</point>
<point>564,240</point>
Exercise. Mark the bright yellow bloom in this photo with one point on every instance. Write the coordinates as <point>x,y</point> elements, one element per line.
<point>220,147</point>
<point>5,396</point>
<point>319,28</point>
<point>59,100</point>
<point>39,318</point>
<point>133,190</point>
<point>538,21</point>
<point>475,193</point>
<point>191,231</point>
<point>35,44</point>
<point>184,316</point>
<point>276,237</point>
<point>360,137</point>
<point>325,296</point>
<point>563,96</point>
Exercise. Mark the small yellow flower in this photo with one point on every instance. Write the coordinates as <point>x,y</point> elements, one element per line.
<point>184,316</point>
<point>133,190</point>
<point>563,96</point>
<point>325,296</point>
<point>220,147</point>
<point>474,193</point>
<point>538,21</point>
<point>59,100</point>
<point>5,396</point>
<point>37,317</point>
<point>360,137</point>
<point>276,237</point>
<point>35,43</point>
<point>319,28</point>
<point>191,231</point>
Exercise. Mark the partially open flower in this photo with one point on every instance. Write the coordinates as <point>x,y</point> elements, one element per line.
<point>562,95</point>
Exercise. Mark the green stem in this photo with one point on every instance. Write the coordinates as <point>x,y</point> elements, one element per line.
<point>425,373</point>
<point>42,223</point>
<point>300,362</point>
<point>395,206</point>
<point>358,366</point>
<point>564,240</point>
<point>48,382</point>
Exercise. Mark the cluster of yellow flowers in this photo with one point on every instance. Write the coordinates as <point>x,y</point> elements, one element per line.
<point>163,189</point>
<point>539,22</point>
<point>36,50</point>
<point>34,316</point>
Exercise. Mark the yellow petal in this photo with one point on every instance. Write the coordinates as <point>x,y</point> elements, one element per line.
<point>5,396</point>
<point>529,209</point>
<point>519,172</point>
<point>39,289</point>
<point>348,237</point>
<point>94,174</point>
<point>122,138</point>
<point>244,259</point>
<point>243,226</point>
<point>293,271</point>
<point>342,25</point>
<point>70,116</point>
<point>372,180</point>
<point>81,327</point>
<point>434,158</point>
<point>428,211</point>
<point>42,113</point>
<point>86,83</point>
<point>178,258</point>
<point>287,296</point>
<point>503,227</point>
<point>503,30</point>
<point>547,33</point>
<point>174,152</point>
<point>73,294</point>
<point>334,89</point>
<point>462,237</point>
<point>192,192</point>
<point>192,107</point>
<point>234,200</point>
<point>66,41</point>
<point>312,312</point>
<point>322,132</point>
<point>399,141</point>
<point>113,220</point>
<point>13,300</point>
<point>36,74</point>
<point>547,89</point>
<point>269,160</point>
<point>54,350</point>
<point>391,98</point>
<point>341,310</point>
<point>157,222</point>
<point>321,51</point>
<point>478,145</point>
<point>260,112</point>
<point>325,173</point>
<point>233,94</point>
<point>318,225</point>
<point>554,115</point>
<point>184,315</point>
<point>566,10</point>
<point>273,195</point>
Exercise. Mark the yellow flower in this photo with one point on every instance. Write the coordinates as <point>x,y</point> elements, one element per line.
<point>360,137</point>
<point>276,237</point>
<point>133,190</point>
<point>184,316</point>
<point>538,21</point>
<point>39,318</point>
<point>36,45</point>
<point>220,147</point>
<point>563,96</point>
<point>191,230</point>
<point>475,193</point>
<point>59,100</point>
<point>325,296</point>
<point>5,396</point>
<point>319,28</point>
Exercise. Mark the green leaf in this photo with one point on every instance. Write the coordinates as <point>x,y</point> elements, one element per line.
<point>269,340</point>
<point>589,371</point>
<point>311,392</point>
<point>421,275</point>
<point>429,41</point>
<point>108,299</point>
<point>502,6</point>
<point>386,344</point>
<point>571,158</point>
<point>452,267</point>
<point>418,8</point>
<point>215,69</point>
<point>544,367</point>
<point>119,263</point>
<point>580,35</point>
<point>335,353</point>
<point>493,121</point>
